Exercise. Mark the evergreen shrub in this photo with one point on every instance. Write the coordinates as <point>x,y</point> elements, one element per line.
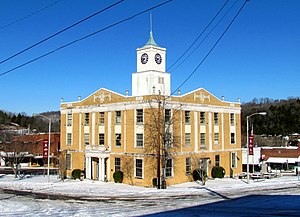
<point>217,172</point>
<point>76,173</point>
<point>118,176</point>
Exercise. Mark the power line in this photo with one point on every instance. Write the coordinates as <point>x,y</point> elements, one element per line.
<point>85,37</point>
<point>61,31</point>
<point>209,52</point>
<point>213,28</point>
<point>199,35</point>
<point>29,15</point>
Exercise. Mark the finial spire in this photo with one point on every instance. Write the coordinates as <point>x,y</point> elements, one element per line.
<point>150,21</point>
<point>151,39</point>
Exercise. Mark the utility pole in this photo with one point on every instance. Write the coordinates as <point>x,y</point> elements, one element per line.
<point>158,144</point>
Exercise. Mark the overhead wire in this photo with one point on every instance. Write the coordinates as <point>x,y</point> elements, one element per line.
<point>87,36</point>
<point>61,31</point>
<point>29,15</point>
<point>212,20</point>
<point>209,52</point>
<point>201,42</point>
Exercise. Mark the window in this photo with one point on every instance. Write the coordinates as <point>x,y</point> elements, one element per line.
<point>202,140</point>
<point>101,118</point>
<point>101,138</point>
<point>167,116</point>
<point>69,120</point>
<point>86,138</point>
<point>202,118</point>
<point>139,168</point>
<point>117,164</point>
<point>217,160</point>
<point>188,165</point>
<point>161,80</point>
<point>187,139</point>
<point>187,116</point>
<point>216,118</point>
<point>139,140</point>
<point>233,160</point>
<point>216,138</point>
<point>139,116</point>
<point>118,117</point>
<point>168,140</point>
<point>86,119</point>
<point>118,139</point>
<point>231,119</point>
<point>68,161</point>
<point>69,138</point>
<point>169,168</point>
<point>232,138</point>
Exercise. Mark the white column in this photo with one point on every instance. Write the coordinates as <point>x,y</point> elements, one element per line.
<point>99,169</point>
<point>88,168</point>
<point>223,125</point>
<point>79,131</point>
<point>196,131</point>
<point>210,131</point>
<point>93,128</point>
<point>108,170</point>
<point>102,169</point>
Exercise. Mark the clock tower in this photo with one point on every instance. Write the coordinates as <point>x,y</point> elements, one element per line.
<point>151,76</point>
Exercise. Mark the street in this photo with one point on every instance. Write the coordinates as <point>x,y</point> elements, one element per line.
<point>278,202</point>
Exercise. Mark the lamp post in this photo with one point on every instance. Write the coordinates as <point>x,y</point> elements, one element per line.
<point>258,113</point>
<point>49,133</point>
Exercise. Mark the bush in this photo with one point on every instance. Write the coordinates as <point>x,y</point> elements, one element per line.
<point>198,173</point>
<point>118,176</point>
<point>76,173</point>
<point>217,172</point>
<point>154,182</point>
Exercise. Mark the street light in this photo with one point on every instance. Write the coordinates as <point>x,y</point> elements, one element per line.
<point>49,119</point>
<point>258,113</point>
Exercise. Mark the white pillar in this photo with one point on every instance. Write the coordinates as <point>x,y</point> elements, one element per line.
<point>103,169</point>
<point>100,169</point>
<point>88,168</point>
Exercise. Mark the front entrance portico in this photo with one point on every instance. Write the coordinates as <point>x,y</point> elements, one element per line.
<point>97,166</point>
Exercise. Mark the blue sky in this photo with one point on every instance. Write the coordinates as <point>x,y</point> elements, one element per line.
<point>258,57</point>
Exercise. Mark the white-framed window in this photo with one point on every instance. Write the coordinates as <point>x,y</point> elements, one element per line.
<point>86,119</point>
<point>117,164</point>
<point>232,120</point>
<point>139,116</point>
<point>161,80</point>
<point>86,138</point>
<point>216,138</point>
<point>233,160</point>
<point>188,165</point>
<point>139,140</point>
<point>118,139</point>
<point>139,166</point>
<point>69,138</point>
<point>101,139</point>
<point>202,140</point>
<point>167,116</point>
<point>187,139</point>
<point>232,138</point>
<point>101,118</point>
<point>216,118</point>
<point>217,160</point>
<point>187,117</point>
<point>69,119</point>
<point>169,168</point>
<point>169,140</point>
<point>118,117</point>
<point>202,118</point>
<point>68,162</point>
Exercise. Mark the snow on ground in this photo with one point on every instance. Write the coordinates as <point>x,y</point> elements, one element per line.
<point>95,189</point>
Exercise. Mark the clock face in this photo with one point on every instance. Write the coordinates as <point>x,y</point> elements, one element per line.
<point>158,58</point>
<point>144,58</point>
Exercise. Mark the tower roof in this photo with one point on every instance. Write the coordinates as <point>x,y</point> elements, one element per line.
<point>151,40</point>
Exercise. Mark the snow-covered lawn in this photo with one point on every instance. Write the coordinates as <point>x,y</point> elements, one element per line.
<point>94,189</point>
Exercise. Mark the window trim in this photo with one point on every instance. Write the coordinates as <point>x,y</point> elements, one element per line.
<point>120,139</point>
<point>188,165</point>
<point>139,117</point>
<point>69,120</point>
<point>86,119</point>
<point>86,139</point>
<point>119,166</point>
<point>101,139</point>
<point>136,140</point>
<point>118,118</point>
<point>101,118</point>
<point>187,117</point>
<point>232,142</point>
<point>169,168</point>
<point>187,142</point>
<point>135,168</point>
<point>202,119</point>
<point>69,139</point>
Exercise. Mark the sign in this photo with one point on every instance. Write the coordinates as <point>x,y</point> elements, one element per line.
<point>45,149</point>
<point>251,143</point>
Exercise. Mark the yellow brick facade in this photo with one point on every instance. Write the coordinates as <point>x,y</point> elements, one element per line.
<point>213,127</point>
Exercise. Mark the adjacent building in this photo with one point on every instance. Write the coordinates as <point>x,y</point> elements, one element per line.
<point>108,131</point>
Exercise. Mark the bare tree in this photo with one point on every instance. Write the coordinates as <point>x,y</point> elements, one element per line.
<point>160,131</point>
<point>127,168</point>
<point>14,154</point>
<point>62,167</point>
<point>201,166</point>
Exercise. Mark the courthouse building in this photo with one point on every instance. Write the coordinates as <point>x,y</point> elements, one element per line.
<point>108,131</point>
